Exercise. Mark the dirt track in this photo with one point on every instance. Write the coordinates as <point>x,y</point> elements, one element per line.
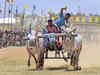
<point>89,56</point>
<point>13,53</point>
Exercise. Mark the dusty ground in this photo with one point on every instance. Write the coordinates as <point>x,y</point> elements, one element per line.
<point>13,60</point>
<point>13,53</point>
<point>89,56</point>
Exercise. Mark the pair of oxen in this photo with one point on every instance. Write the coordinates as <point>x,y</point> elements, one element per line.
<point>72,44</point>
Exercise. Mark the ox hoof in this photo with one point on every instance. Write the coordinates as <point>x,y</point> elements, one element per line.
<point>29,65</point>
<point>39,69</point>
<point>31,48</point>
<point>78,68</point>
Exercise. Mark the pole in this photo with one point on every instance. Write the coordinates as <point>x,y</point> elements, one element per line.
<point>9,11</point>
<point>4,16</point>
<point>23,16</point>
<point>32,16</point>
<point>0,14</point>
<point>16,19</point>
<point>11,16</point>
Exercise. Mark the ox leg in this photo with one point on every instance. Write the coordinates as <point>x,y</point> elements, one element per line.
<point>46,56</point>
<point>74,60</point>
<point>79,67</point>
<point>28,63</point>
<point>37,65</point>
<point>40,62</point>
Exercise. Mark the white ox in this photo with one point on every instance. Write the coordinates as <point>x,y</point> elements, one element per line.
<point>35,49</point>
<point>73,45</point>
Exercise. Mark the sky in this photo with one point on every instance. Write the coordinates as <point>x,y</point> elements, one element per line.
<point>86,6</point>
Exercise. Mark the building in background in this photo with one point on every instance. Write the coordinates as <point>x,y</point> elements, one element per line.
<point>15,24</point>
<point>10,24</point>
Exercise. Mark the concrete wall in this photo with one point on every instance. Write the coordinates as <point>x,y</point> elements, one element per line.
<point>90,33</point>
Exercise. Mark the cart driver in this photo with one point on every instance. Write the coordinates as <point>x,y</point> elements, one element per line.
<point>51,28</point>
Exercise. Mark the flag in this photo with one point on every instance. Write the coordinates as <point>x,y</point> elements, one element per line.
<point>29,30</point>
<point>49,11</point>
<point>25,6</point>
<point>34,7</point>
<point>66,5</point>
<point>53,18</point>
<point>9,1</point>
<point>0,10</point>
<point>16,10</point>
<point>9,11</point>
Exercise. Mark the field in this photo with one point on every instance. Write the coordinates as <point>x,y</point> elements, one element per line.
<point>13,61</point>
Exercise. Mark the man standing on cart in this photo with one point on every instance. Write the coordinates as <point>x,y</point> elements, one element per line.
<point>63,19</point>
